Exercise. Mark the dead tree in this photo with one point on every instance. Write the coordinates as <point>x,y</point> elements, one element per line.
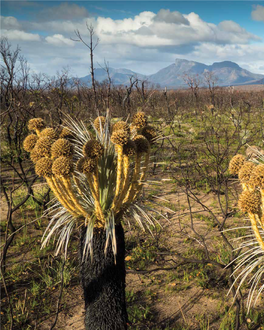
<point>91,46</point>
<point>210,79</point>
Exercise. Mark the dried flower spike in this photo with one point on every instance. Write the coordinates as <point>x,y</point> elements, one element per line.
<point>249,201</point>
<point>86,165</point>
<point>236,163</point>
<point>140,120</point>
<point>36,124</point>
<point>257,177</point>
<point>130,148</point>
<point>120,137</point>
<point>43,146</point>
<point>44,167</point>
<point>141,143</point>
<point>48,132</point>
<point>35,156</point>
<point>121,125</point>
<point>93,149</point>
<point>245,172</point>
<point>30,142</point>
<point>61,147</point>
<point>62,166</point>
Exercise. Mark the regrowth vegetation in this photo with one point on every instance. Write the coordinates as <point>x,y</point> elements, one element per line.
<point>96,176</point>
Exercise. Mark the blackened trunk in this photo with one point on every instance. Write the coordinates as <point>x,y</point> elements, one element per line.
<point>103,283</point>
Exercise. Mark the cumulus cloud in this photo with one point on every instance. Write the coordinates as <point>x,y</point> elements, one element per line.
<point>174,17</point>
<point>64,11</point>
<point>20,35</point>
<point>59,40</point>
<point>144,43</point>
<point>9,23</point>
<point>169,29</point>
<point>258,13</point>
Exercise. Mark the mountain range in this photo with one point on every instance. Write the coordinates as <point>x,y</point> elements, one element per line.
<point>226,73</point>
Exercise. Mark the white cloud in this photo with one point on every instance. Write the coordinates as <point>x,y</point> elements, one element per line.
<point>169,29</point>
<point>59,40</point>
<point>144,43</point>
<point>9,23</point>
<point>258,13</point>
<point>20,35</point>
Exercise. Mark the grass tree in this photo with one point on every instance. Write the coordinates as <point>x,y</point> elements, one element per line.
<point>96,177</point>
<point>250,263</point>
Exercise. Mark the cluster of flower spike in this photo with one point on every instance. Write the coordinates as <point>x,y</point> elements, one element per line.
<point>251,200</point>
<point>52,154</point>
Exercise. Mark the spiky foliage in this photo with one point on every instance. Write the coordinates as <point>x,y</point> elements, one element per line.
<point>99,123</point>
<point>150,133</point>
<point>96,183</point>
<point>30,142</point>
<point>65,133</point>
<point>250,264</point>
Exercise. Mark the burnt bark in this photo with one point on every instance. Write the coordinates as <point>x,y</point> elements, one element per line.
<point>103,282</point>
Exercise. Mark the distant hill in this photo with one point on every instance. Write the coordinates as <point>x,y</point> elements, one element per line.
<point>226,72</point>
<point>118,76</point>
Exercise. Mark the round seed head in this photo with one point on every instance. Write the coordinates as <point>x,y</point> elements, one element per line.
<point>62,166</point>
<point>150,133</point>
<point>120,137</point>
<point>121,125</point>
<point>257,177</point>
<point>35,156</point>
<point>93,149</point>
<point>65,133</point>
<point>43,146</point>
<point>245,172</point>
<point>86,165</point>
<point>48,132</point>
<point>99,123</point>
<point>36,124</point>
<point>61,147</point>
<point>141,143</point>
<point>30,142</point>
<point>249,201</point>
<point>44,167</point>
<point>140,120</point>
<point>130,148</point>
<point>236,163</point>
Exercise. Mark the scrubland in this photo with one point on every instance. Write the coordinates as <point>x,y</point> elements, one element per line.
<point>178,276</point>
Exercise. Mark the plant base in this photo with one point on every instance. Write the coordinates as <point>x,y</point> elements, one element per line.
<point>103,283</point>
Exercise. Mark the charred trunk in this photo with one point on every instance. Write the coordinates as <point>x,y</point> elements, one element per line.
<point>103,282</point>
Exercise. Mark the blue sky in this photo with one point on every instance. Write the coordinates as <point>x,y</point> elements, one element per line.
<point>143,36</point>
